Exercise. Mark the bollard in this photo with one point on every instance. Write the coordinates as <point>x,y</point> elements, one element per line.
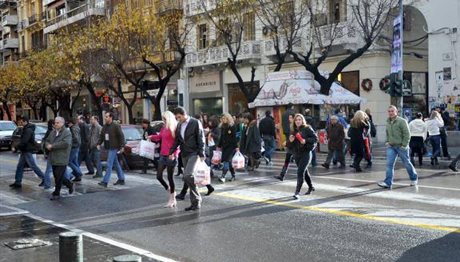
<point>127,258</point>
<point>70,247</point>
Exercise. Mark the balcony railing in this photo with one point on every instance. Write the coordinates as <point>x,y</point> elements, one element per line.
<point>195,7</point>
<point>9,43</point>
<point>215,55</point>
<point>74,15</point>
<point>269,48</point>
<point>9,20</point>
<point>341,34</point>
<point>169,5</point>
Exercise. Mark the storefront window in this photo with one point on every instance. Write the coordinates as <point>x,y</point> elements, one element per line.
<point>417,102</point>
<point>210,106</point>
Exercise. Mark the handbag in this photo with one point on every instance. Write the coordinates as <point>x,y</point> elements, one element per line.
<point>147,149</point>
<point>202,173</point>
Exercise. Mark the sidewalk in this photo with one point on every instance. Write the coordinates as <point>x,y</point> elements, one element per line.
<point>15,227</point>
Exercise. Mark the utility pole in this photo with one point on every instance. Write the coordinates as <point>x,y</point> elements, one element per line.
<point>401,72</point>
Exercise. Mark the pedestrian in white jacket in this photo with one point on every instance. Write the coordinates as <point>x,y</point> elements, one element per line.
<point>418,130</point>
<point>434,125</point>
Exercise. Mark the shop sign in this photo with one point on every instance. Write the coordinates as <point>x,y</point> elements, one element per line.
<point>205,83</point>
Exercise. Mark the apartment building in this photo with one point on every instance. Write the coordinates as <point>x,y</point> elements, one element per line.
<point>430,60</point>
<point>9,42</point>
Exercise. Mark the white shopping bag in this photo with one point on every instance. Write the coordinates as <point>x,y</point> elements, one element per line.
<point>147,149</point>
<point>238,161</point>
<point>216,157</point>
<point>202,173</point>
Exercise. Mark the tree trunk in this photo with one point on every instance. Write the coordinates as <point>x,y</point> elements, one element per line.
<point>156,104</point>
<point>7,110</point>
<point>129,107</point>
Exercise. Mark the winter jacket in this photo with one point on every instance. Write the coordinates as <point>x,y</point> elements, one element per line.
<point>357,134</point>
<point>84,136</point>
<point>434,126</point>
<point>417,127</point>
<point>112,137</point>
<point>148,132</point>
<point>228,142</point>
<point>27,142</point>
<point>297,148</point>
<point>285,121</point>
<point>61,145</point>
<point>250,140</point>
<point>193,141</point>
<point>267,127</point>
<point>166,139</point>
<point>94,134</point>
<point>398,133</point>
<point>336,136</point>
<point>76,136</point>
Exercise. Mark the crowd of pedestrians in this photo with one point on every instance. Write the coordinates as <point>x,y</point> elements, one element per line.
<point>186,140</point>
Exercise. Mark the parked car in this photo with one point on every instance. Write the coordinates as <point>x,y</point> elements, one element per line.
<point>130,158</point>
<point>40,131</point>
<point>7,129</point>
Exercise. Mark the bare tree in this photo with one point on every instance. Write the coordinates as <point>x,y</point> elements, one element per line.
<point>230,19</point>
<point>331,26</point>
<point>283,22</point>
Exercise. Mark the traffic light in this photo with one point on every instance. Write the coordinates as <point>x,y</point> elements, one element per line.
<point>396,86</point>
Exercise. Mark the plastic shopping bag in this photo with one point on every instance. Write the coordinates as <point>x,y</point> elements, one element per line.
<point>147,149</point>
<point>202,173</point>
<point>238,161</point>
<point>216,157</point>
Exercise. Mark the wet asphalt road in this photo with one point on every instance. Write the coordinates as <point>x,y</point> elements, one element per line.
<point>348,218</point>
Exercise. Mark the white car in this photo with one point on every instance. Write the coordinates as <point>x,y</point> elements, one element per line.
<point>6,133</point>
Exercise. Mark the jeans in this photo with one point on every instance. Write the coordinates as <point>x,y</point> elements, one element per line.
<point>392,153</point>
<point>436,145</point>
<point>269,146</point>
<point>73,162</point>
<point>302,171</point>
<point>95,160</point>
<point>47,175</point>
<point>228,166</point>
<point>26,157</point>
<point>445,151</point>
<point>112,161</point>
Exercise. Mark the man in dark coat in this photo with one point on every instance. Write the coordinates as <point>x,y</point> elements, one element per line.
<point>27,147</point>
<point>268,132</point>
<point>285,120</point>
<point>336,137</point>
<point>250,143</point>
<point>84,146</point>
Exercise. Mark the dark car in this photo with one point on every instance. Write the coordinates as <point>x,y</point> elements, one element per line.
<point>7,129</point>
<point>40,131</point>
<point>130,158</point>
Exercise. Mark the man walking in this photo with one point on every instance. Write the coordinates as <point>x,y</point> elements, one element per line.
<point>397,142</point>
<point>446,118</point>
<point>27,147</point>
<point>114,141</point>
<point>59,145</point>
<point>268,133</point>
<point>94,152</point>
<point>336,136</point>
<point>285,120</point>
<point>84,150</point>
<point>148,131</point>
<point>74,152</point>
<point>190,138</point>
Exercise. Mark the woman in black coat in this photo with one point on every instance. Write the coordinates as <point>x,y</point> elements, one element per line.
<point>228,144</point>
<point>302,141</point>
<point>359,128</point>
<point>250,144</point>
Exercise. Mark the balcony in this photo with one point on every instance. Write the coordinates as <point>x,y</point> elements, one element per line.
<point>9,20</point>
<point>9,43</point>
<point>23,24</point>
<point>345,37</point>
<point>48,2</point>
<point>269,49</point>
<point>169,5</point>
<point>216,55</point>
<point>195,7</point>
<point>75,15</point>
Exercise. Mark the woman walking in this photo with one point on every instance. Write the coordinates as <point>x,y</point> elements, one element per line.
<point>250,144</point>
<point>228,144</point>
<point>288,158</point>
<point>302,141</point>
<point>418,130</point>
<point>359,128</point>
<point>434,125</point>
<point>167,136</point>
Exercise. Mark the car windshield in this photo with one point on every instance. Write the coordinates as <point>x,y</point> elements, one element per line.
<point>7,126</point>
<point>132,133</point>
<point>40,129</point>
